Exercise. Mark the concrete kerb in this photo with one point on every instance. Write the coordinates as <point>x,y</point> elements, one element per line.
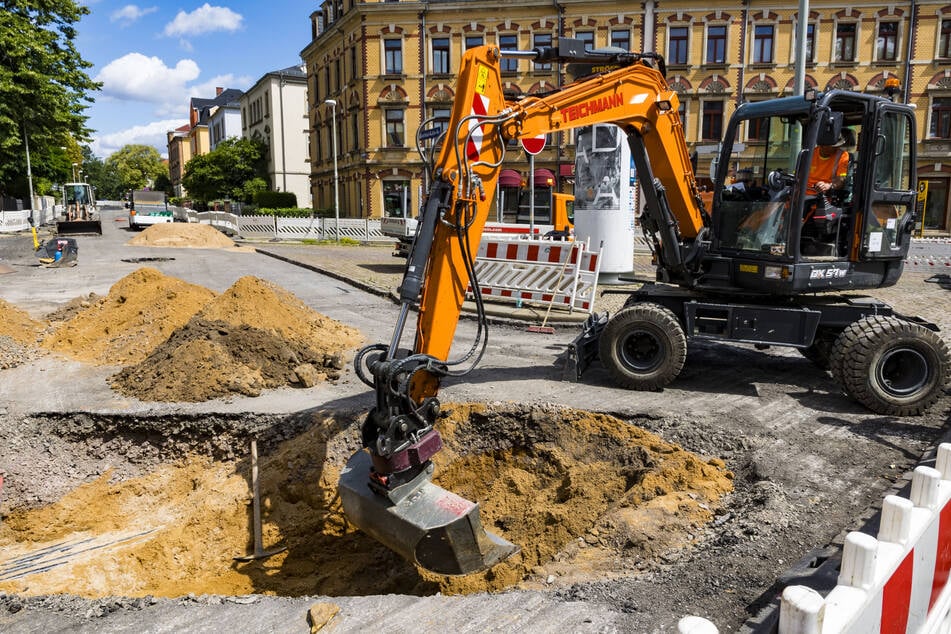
<point>495,313</point>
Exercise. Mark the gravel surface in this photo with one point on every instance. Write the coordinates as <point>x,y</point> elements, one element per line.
<point>809,463</point>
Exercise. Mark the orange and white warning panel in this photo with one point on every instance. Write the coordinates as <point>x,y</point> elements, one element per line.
<point>897,582</point>
<point>562,274</point>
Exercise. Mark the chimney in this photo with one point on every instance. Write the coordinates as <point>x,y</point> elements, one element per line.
<point>218,91</point>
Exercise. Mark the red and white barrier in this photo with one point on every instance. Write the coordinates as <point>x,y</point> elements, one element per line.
<point>943,263</point>
<point>564,274</point>
<point>895,583</point>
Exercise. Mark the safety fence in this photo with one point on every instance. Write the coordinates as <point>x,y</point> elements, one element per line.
<point>280,228</point>
<point>563,275</point>
<point>929,262</point>
<point>897,582</point>
<point>13,221</point>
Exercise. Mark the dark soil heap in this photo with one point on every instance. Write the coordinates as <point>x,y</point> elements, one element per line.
<point>252,337</point>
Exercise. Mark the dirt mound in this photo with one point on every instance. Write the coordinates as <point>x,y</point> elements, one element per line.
<point>579,492</point>
<point>17,324</point>
<point>253,336</point>
<point>14,353</point>
<point>182,234</point>
<point>255,302</point>
<point>140,312</point>
<point>209,359</point>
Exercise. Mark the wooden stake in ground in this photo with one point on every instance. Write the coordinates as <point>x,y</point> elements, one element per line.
<point>259,552</point>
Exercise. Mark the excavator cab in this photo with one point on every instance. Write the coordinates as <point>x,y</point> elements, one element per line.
<point>858,228</point>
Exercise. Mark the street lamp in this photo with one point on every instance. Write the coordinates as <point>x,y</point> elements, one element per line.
<point>75,165</point>
<point>333,114</point>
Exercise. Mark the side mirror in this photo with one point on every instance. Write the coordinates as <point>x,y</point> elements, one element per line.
<point>830,127</point>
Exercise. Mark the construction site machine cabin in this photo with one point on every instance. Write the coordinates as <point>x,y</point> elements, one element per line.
<point>762,266</point>
<point>80,213</point>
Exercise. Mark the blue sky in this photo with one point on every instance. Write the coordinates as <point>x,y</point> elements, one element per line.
<point>153,57</point>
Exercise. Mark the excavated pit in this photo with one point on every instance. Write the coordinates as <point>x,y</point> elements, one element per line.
<point>102,505</point>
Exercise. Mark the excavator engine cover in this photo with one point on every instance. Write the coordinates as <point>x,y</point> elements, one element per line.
<point>427,525</point>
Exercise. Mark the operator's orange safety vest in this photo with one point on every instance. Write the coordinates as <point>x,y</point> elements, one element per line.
<point>822,168</point>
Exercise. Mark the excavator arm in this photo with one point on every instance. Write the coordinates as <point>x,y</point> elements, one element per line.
<point>387,489</point>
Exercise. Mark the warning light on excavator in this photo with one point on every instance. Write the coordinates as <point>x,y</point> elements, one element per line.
<point>664,105</point>
<point>891,86</point>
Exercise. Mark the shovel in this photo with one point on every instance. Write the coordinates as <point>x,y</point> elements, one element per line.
<point>259,552</point>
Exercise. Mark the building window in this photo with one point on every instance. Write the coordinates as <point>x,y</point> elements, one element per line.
<point>845,42</point>
<point>441,55</point>
<point>355,130</point>
<point>758,129</point>
<point>944,40</point>
<point>716,44</point>
<point>393,53</point>
<point>711,126</point>
<point>509,42</point>
<point>810,44</point>
<point>677,45</point>
<point>587,37</point>
<point>395,136</point>
<point>541,40</point>
<point>940,118</point>
<point>621,38</point>
<point>763,44</point>
<point>353,63</point>
<point>682,113</point>
<point>474,40</point>
<point>886,44</point>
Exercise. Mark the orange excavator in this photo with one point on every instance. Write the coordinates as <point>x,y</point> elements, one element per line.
<point>749,270</point>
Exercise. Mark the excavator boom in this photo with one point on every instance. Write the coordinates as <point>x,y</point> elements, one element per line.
<point>387,490</point>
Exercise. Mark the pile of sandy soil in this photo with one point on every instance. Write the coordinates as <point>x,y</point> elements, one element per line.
<point>182,234</point>
<point>583,494</point>
<point>17,324</point>
<point>182,342</point>
<point>18,335</point>
<point>252,337</point>
<point>140,312</point>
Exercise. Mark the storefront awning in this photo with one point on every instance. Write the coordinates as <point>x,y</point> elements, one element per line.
<point>566,169</point>
<point>510,178</point>
<point>544,178</point>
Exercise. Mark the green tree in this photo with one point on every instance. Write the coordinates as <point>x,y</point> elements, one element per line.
<point>235,169</point>
<point>137,166</point>
<point>44,88</point>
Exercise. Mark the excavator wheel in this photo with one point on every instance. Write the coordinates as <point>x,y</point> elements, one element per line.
<point>890,365</point>
<point>643,347</point>
<point>821,349</point>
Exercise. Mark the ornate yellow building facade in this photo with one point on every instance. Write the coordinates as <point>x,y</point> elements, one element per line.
<point>389,66</point>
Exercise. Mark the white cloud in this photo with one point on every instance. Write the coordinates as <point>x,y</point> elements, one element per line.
<point>139,78</point>
<point>130,13</point>
<point>204,19</point>
<point>154,134</point>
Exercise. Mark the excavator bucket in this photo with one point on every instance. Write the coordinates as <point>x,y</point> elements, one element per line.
<point>429,526</point>
<point>79,227</point>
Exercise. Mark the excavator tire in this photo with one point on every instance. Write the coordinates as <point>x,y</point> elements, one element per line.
<point>890,365</point>
<point>821,349</point>
<point>643,347</point>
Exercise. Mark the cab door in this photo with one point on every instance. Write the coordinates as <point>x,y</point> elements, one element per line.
<point>888,210</point>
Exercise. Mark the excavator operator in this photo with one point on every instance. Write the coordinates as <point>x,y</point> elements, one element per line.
<point>829,168</point>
